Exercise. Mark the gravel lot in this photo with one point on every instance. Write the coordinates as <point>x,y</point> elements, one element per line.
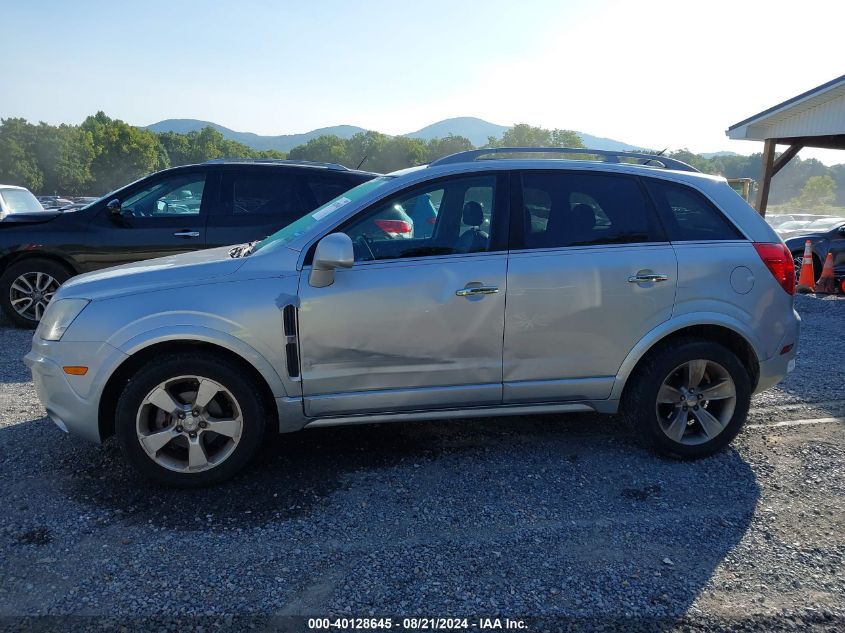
<point>565,521</point>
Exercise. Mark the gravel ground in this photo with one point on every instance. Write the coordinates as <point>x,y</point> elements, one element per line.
<point>564,521</point>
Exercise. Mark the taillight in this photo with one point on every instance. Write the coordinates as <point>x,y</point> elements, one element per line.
<point>778,260</point>
<point>395,227</point>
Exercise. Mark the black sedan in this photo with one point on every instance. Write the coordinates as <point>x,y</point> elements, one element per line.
<point>173,211</point>
<point>826,236</point>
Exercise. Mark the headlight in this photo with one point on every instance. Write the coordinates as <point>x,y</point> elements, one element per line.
<point>58,317</point>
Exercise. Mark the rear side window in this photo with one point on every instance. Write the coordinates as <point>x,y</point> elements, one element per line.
<point>262,194</point>
<point>687,215</point>
<point>582,209</point>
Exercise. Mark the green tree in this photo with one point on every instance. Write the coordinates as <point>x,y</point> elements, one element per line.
<point>327,148</point>
<point>818,191</point>
<point>18,162</point>
<point>524,135</point>
<point>122,152</point>
<point>440,147</point>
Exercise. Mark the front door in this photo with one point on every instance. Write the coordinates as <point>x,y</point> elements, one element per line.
<point>161,217</point>
<point>589,277</point>
<point>417,322</point>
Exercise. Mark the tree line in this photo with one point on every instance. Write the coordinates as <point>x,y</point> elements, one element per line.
<point>102,154</point>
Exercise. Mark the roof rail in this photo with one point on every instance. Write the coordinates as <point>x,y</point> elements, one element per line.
<point>280,161</point>
<point>608,156</point>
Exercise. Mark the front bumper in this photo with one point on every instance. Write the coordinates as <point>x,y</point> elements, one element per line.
<point>72,402</point>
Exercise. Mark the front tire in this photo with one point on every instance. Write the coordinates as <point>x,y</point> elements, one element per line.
<point>689,399</point>
<point>27,286</point>
<point>190,420</point>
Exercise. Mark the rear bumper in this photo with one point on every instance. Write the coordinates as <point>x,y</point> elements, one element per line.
<point>72,402</point>
<point>776,368</point>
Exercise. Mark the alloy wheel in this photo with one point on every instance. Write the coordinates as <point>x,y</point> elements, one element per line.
<point>189,424</point>
<point>696,402</point>
<point>30,293</point>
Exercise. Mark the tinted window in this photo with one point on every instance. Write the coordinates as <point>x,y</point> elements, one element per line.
<point>169,197</point>
<point>325,189</point>
<point>687,215</point>
<point>571,209</point>
<point>444,218</point>
<point>251,194</point>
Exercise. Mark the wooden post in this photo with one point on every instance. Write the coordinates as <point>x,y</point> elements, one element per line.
<point>766,176</point>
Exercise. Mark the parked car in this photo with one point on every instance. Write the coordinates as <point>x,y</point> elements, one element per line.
<point>655,291</point>
<point>826,236</point>
<point>173,211</point>
<point>17,201</point>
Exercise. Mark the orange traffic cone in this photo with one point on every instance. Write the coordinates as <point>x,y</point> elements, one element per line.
<point>826,284</point>
<point>807,280</point>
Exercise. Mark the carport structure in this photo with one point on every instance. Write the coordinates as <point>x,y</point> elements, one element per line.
<point>815,118</point>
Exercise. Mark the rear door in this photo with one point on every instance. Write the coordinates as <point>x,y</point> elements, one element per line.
<point>254,202</point>
<point>589,274</point>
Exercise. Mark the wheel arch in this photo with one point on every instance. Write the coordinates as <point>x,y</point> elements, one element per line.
<point>9,259</point>
<point>721,333</point>
<point>130,365</point>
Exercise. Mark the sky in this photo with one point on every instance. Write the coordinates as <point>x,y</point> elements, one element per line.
<point>655,74</point>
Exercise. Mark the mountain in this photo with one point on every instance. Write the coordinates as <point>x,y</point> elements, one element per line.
<point>476,130</point>
<point>599,142</point>
<point>715,154</point>
<point>282,143</point>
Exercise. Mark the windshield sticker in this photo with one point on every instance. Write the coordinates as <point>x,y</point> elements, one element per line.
<point>334,206</point>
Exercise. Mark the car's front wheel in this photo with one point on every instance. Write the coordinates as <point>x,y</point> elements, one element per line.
<point>689,399</point>
<point>190,420</point>
<point>27,286</point>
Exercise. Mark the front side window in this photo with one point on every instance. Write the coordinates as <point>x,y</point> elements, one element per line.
<point>574,209</point>
<point>175,196</point>
<point>688,215</point>
<point>444,218</point>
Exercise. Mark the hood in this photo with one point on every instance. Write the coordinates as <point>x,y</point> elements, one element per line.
<point>28,218</point>
<point>187,269</point>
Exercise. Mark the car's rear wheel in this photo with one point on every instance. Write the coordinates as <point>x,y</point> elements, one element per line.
<point>689,399</point>
<point>27,287</point>
<point>190,420</point>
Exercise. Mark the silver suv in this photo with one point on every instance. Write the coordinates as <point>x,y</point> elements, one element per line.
<point>621,282</point>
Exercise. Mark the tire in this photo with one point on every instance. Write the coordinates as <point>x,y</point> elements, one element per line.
<point>29,270</point>
<point>180,376</point>
<point>691,432</point>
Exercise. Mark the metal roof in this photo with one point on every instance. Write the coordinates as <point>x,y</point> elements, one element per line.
<point>817,112</point>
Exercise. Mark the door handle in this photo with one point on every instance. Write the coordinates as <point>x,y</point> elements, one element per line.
<point>477,290</point>
<point>186,234</point>
<point>641,278</point>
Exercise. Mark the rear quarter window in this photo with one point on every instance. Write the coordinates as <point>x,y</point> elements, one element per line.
<point>689,216</point>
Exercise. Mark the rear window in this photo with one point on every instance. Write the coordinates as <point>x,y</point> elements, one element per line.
<point>20,201</point>
<point>689,216</point>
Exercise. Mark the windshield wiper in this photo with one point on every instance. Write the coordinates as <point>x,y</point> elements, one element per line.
<point>242,250</point>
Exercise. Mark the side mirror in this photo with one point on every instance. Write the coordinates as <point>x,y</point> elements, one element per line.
<point>113,206</point>
<point>333,251</point>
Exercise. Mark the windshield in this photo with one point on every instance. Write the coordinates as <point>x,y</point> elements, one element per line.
<point>20,201</point>
<point>321,214</point>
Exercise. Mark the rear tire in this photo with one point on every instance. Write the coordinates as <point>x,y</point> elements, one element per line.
<point>667,400</point>
<point>190,420</point>
<point>27,287</point>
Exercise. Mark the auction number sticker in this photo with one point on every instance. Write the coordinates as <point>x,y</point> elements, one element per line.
<point>416,624</point>
<point>328,210</point>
